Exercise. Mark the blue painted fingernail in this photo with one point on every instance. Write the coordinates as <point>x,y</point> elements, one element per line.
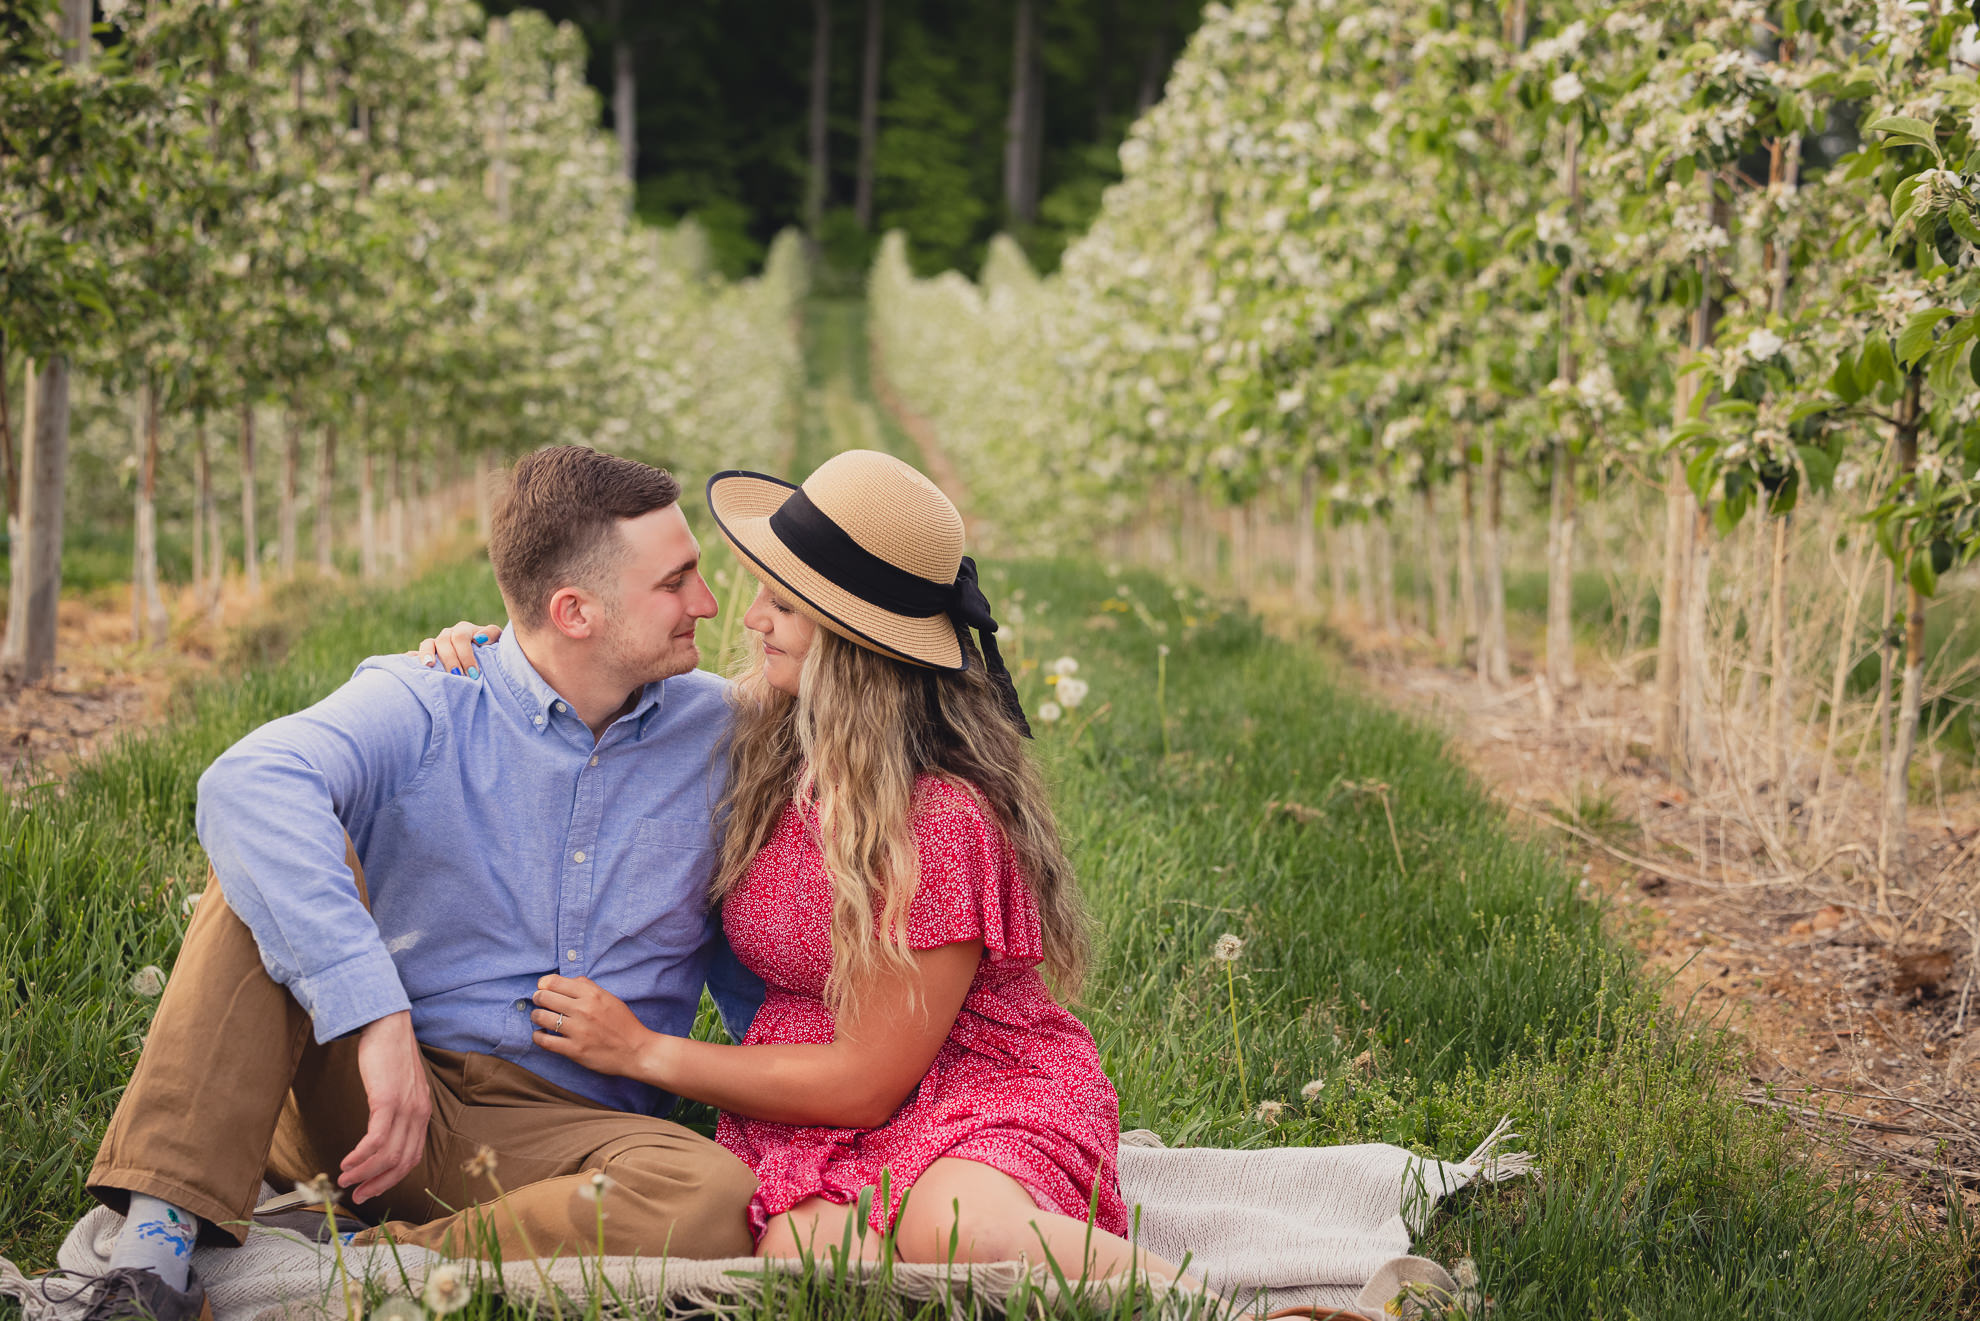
<point>455,670</point>
<point>481,637</point>
<point>474,671</point>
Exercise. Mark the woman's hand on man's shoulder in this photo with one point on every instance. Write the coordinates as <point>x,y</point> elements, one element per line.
<point>453,650</point>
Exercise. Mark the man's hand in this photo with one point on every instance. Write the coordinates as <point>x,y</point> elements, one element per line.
<point>580,1020</point>
<point>401,1101</point>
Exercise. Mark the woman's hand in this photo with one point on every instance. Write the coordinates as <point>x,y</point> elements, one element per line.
<point>453,650</point>
<point>581,1021</point>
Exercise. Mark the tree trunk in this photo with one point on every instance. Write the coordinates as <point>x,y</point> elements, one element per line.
<point>149,620</point>
<point>1364,573</point>
<point>869,114</point>
<point>625,106</point>
<point>1304,550</point>
<point>1892,841</point>
<point>326,494</point>
<point>1240,550</point>
<point>821,76</point>
<point>1560,571</point>
<point>1154,66</point>
<point>1756,615</point>
<point>367,518</point>
<point>1337,564</point>
<point>199,513</point>
<point>1697,659</point>
<point>216,542</point>
<point>1467,568</point>
<point>12,472</point>
<point>33,604</point>
<point>484,493</point>
<point>1495,659</point>
<point>395,513</point>
<point>1781,690</point>
<point>1023,126</point>
<point>285,507</point>
<point>250,535</point>
<point>1385,573</point>
<point>1838,689</point>
<point>1433,562</point>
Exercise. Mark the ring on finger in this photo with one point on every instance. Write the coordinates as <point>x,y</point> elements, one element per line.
<point>559,1029</point>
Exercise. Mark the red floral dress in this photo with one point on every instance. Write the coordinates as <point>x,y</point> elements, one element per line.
<point>1018,1084</point>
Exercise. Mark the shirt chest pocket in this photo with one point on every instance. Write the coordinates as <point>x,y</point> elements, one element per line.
<point>662,897</point>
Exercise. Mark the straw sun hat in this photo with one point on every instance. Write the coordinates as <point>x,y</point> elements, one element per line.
<point>870,549</point>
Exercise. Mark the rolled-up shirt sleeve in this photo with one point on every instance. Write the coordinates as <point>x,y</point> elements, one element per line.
<point>273,814</point>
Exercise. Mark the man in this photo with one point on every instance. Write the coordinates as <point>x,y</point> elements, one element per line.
<point>396,867</point>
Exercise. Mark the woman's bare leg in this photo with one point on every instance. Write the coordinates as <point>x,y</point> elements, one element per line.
<point>813,1228</point>
<point>989,1216</point>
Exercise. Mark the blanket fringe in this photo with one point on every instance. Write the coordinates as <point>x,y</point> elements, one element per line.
<point>1489,1163</point>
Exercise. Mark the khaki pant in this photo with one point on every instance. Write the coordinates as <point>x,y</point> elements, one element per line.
<point>232,1086</point>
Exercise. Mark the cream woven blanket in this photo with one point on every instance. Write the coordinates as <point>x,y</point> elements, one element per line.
<point>1284,1226</point>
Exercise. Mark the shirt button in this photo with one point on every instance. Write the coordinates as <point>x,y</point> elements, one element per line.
<point>594,761</point>
<point>523,1005</point>
<point>578,856</point>
<point>562,708</point>
<point>571,954</point>
<point>539,720</point>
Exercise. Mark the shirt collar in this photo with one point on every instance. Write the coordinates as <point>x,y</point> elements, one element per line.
<point>541,703</point>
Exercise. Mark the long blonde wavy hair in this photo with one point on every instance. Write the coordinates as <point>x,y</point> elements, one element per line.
<point>862,728</point>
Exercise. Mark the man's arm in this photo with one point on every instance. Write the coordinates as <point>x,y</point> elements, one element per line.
<point>274,812</point>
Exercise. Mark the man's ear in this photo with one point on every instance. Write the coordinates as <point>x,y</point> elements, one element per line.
<point>574,612</point>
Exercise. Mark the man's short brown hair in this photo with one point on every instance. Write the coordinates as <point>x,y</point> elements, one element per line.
<point>558,523</point>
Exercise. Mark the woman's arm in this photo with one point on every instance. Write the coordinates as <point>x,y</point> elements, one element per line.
<point>879,1054</point>
<point>454,648</point>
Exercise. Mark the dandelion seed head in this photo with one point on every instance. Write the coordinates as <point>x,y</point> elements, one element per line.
<point>398,1308</point>
<point>319,1192</point>
<point>1051,712</point>
<point>149,981</point>
<point>1064,667</point>
<point>481,1164</point>
<point>446,1289</point>
<point>1228,948</point>
<point>595,1188</point>
<point>1312,1090</point>
<point>1269,1112</point>
<point>1072,691</point>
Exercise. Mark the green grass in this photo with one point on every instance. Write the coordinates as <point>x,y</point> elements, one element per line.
<point>1472,981</point>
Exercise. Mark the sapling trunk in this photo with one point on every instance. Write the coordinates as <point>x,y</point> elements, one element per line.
<point>1364,572</point>
<point>1838,689</point>
<point>1781,691</point>
<point>395,512</point>
<point>484,493</point>
<point>1240,550</point>
<point>199,519</point>
<point>1467,564</point>
<point>1757,613</point>
<point>250,537</point>
<point>1892,841</point>
<point>28,653</point>
<point>1496,660</point>
<point>1679,515</point>
<point>149,620</point>
<point>1697,663</point>
<point>1385,574</point>
<point>367,517</point>
<point>285,508</point>
<point>1337,568</point>
<point>216,542</point>
<point>1440,580</point>
<point>1560,570</point>
<point>326,492</point>
<point>1304,549</point>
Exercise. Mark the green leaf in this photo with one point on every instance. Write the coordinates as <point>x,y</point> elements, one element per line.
<point>1683,169</point>
<point>1915,339</point>
<point>1922,575</point>
<point>1821,469</point>
<point>1843,380</point>
<point>1876,367</point>
<point>1973,365</point>
<point>1915,132</point>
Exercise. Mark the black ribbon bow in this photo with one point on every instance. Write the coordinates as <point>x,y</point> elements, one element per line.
<point>969,608</point>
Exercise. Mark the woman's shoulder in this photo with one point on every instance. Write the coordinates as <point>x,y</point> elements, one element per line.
<point>942,802</point>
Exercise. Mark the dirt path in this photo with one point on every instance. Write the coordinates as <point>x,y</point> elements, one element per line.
<point>104,683</point>
<point>1862,1029</point>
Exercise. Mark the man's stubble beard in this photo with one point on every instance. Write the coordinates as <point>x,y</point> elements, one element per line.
<point>639,668</point>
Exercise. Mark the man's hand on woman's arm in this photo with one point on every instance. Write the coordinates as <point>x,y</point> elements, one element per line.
<point>880,1053</point>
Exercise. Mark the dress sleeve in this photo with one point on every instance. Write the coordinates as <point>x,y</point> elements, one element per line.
<point>969,887</point>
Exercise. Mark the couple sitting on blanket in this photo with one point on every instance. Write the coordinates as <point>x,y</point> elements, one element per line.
<point>464,913</point>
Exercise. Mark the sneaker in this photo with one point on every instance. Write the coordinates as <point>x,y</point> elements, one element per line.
<point>132,1293</point>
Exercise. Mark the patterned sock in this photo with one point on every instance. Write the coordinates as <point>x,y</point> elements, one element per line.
<point>158,1237</point>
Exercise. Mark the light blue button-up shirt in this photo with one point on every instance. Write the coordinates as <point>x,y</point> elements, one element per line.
<point>499,843</point>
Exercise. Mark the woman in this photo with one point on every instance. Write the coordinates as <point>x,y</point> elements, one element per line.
<point>891,869</point>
